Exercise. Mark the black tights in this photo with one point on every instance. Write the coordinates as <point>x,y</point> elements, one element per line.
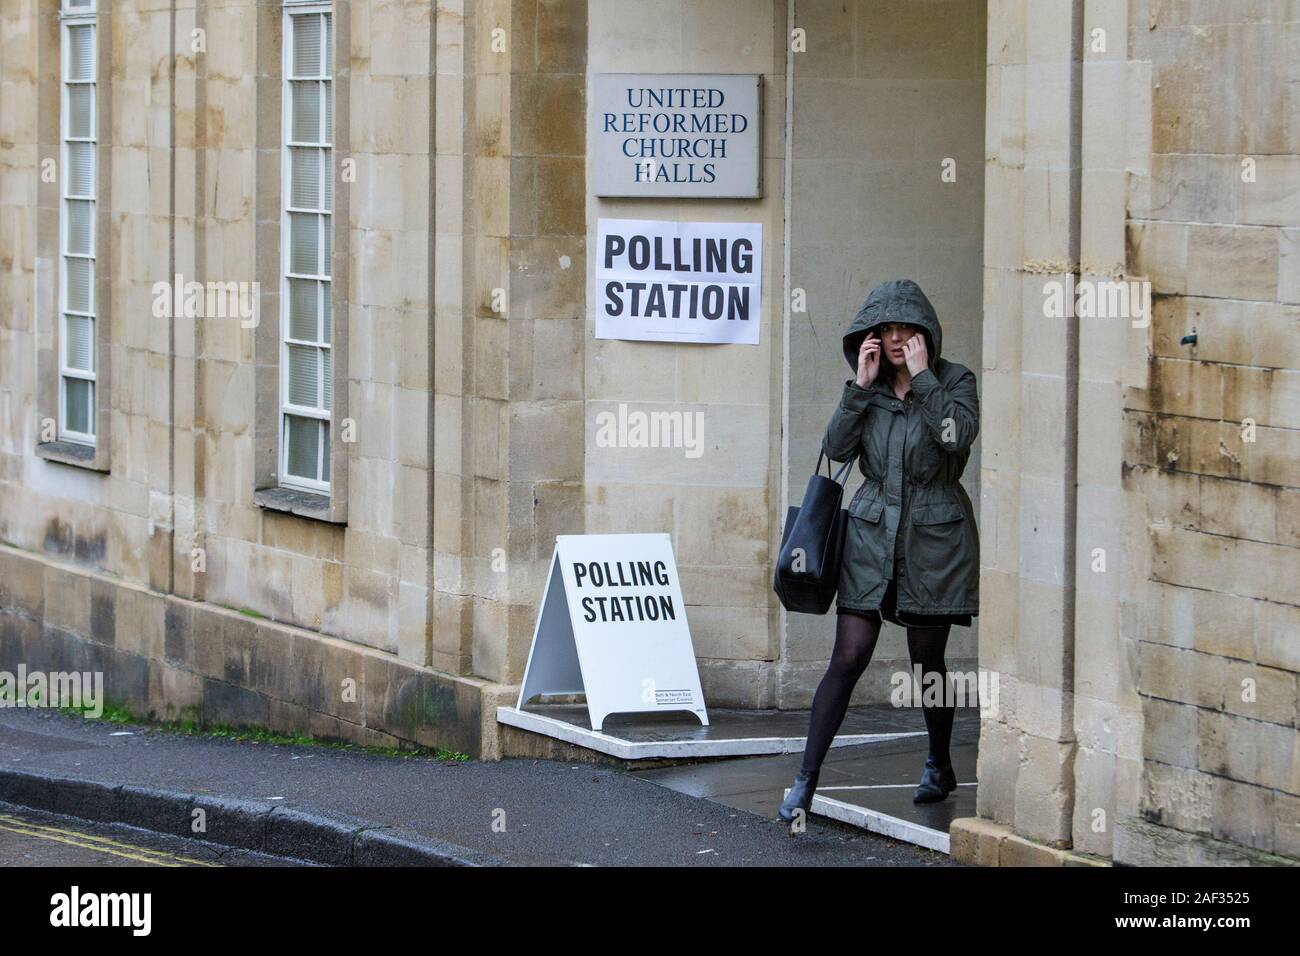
<point>855,642</point>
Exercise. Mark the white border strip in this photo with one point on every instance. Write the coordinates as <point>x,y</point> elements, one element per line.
<point>881,786</point>
<point>881,823</point>
<point>640,750</point>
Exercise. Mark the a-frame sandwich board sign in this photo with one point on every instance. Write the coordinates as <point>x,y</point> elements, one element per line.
<point>612,625</point>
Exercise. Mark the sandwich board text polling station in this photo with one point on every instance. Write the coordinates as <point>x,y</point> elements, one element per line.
<point>612,625</point>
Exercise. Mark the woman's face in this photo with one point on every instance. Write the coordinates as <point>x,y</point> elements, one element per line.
<point>892,337</point>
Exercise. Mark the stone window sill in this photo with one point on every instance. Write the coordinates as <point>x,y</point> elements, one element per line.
<point>305,504</point>
<point>72,453</point>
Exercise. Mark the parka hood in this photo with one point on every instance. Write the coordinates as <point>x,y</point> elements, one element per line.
<point>895,300</point>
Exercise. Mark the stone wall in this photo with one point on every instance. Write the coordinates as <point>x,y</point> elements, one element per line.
<point>1212,436</point>
<point>1027,477</point>
<point>458,175</point>
<point>721,507</point>
<point>1142,624</point>
<point>172,659</point>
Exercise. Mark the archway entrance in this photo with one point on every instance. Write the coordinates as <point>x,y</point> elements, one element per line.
<point>886,180</point>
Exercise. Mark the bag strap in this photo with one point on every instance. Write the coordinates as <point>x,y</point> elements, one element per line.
<point>839,476</point>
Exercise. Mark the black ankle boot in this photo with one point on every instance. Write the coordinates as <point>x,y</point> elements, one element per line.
<point>936,782</point>
<point>800,796</point>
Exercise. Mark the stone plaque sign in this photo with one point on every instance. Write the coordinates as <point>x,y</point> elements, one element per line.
<point>676,134</point>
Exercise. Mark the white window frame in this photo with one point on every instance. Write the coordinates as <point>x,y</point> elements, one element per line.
<point>294,9</point>
<point>83,15</point>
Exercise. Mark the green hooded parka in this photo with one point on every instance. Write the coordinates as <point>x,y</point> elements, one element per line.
<point>912,454</point>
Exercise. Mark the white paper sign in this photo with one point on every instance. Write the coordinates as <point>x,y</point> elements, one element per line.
<point>665,281</point>
<point>613,625</point>
<point>675,134</point>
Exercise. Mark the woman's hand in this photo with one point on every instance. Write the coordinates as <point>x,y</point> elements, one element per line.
<point>868,360</point>
<point>916,355</point>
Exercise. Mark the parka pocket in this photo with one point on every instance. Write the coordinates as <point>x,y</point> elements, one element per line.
<point>868,509</point>
<point>939,513</point>
<point>936,552</point>
<point>862,579</point>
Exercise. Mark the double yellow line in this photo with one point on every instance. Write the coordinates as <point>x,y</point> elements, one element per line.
<point>96,843</point>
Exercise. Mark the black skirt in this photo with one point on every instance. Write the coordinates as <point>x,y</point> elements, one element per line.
<point>889,611</point>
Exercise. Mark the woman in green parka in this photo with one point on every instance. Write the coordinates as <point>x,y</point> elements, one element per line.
<point>911,552</point>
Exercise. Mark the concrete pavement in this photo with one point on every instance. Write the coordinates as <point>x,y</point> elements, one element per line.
<point>343,806</point>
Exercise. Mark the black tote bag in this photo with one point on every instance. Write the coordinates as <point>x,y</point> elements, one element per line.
<point>812,544</point>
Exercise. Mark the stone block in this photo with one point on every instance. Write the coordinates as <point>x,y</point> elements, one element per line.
<point>721,526</point>
<point>1190,188</point>
<point>1242,333</point>
<point>1242,813</point>
<point>1238,509</point>
<point>140,623</point>
<point>1043,788</point>
<point>1188,388</point>
<point>414,628</point>
<point>1180,675</point>
<point>22,584</point>
<point>998,769</point>
<point>1169,732</point>
<point>232,706</point>
<point>1246,395</point>
<point>1272,456</point>
<point>1288,269</point>
<point>1286,835</point>
<point>327,677</point>
<point>421,706</point>
<point>180,696</point>
<point>1284,399</point>
<point>1017,850</point>
<point>747,684</point>
<point>1258,692</point>
<point>1212,562</point>
<point>453,633</point>
<point>1158,252</point>
<point>67,600</point>
<point>1094,802</point>
<point>1176,797</point>
<point>731,633</point>
<point>1276,627</point>
<point>286,532</point>
<point>976,841</point>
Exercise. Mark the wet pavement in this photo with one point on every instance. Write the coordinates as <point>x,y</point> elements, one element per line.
<point>880,776</point>
<point>524,811</point>
<point>726,723</point>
